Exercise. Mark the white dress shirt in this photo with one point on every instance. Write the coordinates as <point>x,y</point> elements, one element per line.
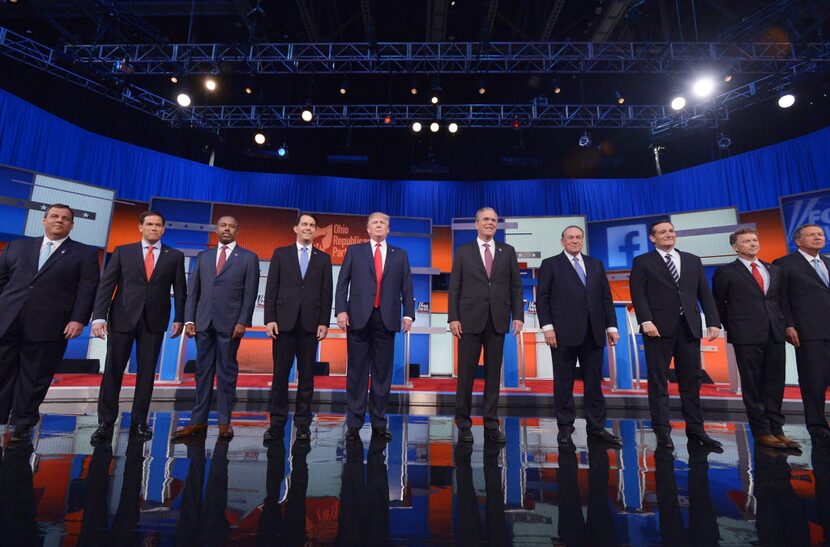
<point>761,268</point>
<point>675,257</point>
<point>579,259</point>
<point>55,244</point>
<point>145,245</point>
<point>383,248</point>
<point>820,262</point>
<point>230,247</point>
<point>481,243</point>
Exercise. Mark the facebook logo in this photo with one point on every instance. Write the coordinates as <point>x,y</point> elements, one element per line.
<point>624,243</point>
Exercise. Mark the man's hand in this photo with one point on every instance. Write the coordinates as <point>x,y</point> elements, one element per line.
<point>649,329</point>
<point>272,330</point>
<point>712,333</point>
<point>322,332</point>
<point>455,329</point>
<point>407,324</point>
<point>343,320</point>
<point>517,327</point>
<point>99,330</point>
<point>792,336</point>
<point>175,330</point>
<point>238,331</point>
<point>613,338</point>
<point>550,338</point>
<point>190,330</point>
<point>73,330</point>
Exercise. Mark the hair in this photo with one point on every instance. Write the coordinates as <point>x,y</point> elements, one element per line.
<point>478,213</point>
<point>143,216</point>
<point>377,214</point>
<point>572,226</point>
<point>797,233</point>
<point>301,215</point>
<point>60,206</point>
<point>654,224</point>
<point>733,237</point>
<point>228,216</point>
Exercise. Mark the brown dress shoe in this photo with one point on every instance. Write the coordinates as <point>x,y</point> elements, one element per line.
<point>225,431</point>
<point>190,431</point>
<point>770,441</point>
<point>787,441</point>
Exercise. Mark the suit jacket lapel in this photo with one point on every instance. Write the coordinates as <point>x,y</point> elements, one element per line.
<point>744,272</point>
<point>162,259</point>
<point>295,261</point>
<point>475,252</point>
<point>391,254</point>
<point>56,255</point>
<point>569,266</point>
<point>661,264</point>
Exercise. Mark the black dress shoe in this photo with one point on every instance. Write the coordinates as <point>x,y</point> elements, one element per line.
<point>704,440</point>
<point>273,433</point>
<point>605,437</point>
<point>102,435</point>
<point>141,431</point>
<point>565,442</point>
<point>382,433</point>
<point>21,434</point>
<point>303,434</point>
<point>664,441</point>
<point>465,435</point>
<point>352,434</point>
<point>821,439</point>
<point>494,436</point>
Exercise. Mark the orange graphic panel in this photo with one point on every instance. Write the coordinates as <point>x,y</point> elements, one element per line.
<point>124,227</point>
<point>261,229</point>
<point>442,248</point>
<point>255,355</point>
<point>333,351</point>
<point>770,232</point>
<point>336,232</point>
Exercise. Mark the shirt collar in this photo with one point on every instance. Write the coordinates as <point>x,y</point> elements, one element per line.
<point>808,257</point>
<point>145,244</point>
<point>748,263</point>
<point>230,246</point>
<point>300,246</point>
<point>672,253</point>
<point>372,244</point>
<point>571,257</point>
<point>55,242</point>
<point>481,243</point>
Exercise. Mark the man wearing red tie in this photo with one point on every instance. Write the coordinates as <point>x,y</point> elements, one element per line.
<point>141,275</point>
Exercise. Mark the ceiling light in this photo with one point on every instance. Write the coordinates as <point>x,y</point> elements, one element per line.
<point>678,103</point>
<point>183,99</point>
<point>174,79</point>
<point>453,127</point>
<point>703,87</point>
<point>282,151</point>
<point>620,98</point>
<point>585,140</point>
<point>248,90</point>
<point>786,100</point>
<point>434,99</point>
<point>416,127</point>
<point>307,115</point>
<point>259,138</point>
<point>434,127</point>
<point>210,84</point>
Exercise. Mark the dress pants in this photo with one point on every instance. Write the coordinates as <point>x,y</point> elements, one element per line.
<point>589,354</point>
<point>371,348</point>
<point>761,367</point>
<point>119,348</point>
<point>288,345</point>
<point>813,363</point>
<point>364,496</point>
<point>685,347</point>
<point>470,529</point>
<point>574,527</point>
<point>779,513</point>
<point>26,371</point>
<point>215,358</point>
<point>469,350</point>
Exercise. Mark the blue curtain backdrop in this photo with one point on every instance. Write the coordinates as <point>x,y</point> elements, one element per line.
<point>33,139</point>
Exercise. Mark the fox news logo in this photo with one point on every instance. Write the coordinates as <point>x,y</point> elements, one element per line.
<point>813,210</point>
<point>624,243</point>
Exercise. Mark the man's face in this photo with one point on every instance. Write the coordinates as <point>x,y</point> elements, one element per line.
<point>812,239</point>
<point>57,223</point>
<point>226,230</point>
<point>486,224</point>
<point>305,229</point>
<point>747,246</point>
<point>378,228</point>
<point>663,235</point>
<point>572,241</point>
<point>151,229</point>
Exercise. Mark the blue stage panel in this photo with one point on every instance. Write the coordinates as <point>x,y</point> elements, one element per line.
<point>14,184</point>
<point>410,225</point>
<point>418,249</point>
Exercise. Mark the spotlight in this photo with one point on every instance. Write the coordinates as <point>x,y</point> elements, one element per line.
<point>515,124</point>
<point>174,79</point>
<point>620,98</point>
<point>585,140</point>
<point>413,90</point>
<point>434,127</point>
<point>259,138</point>
<point>434,99</point>
<point>724,141</point>
<point>183,99</point>
<point>453,127</point>
<point>481,89</point>
<point>282,151</point>
<point>557,89</point>
<point>727,78</point>
<point>248,90</point>
<point>703,87</point>
<point>416,127</point>
<point>387,119</point>
<point>307,114</point>
<point>678,103</point>
<point>786,100</point>
<point>210,84</point>
<point>344,87</point>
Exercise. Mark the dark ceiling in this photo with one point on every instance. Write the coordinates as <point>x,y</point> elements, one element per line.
<point>399,153</point>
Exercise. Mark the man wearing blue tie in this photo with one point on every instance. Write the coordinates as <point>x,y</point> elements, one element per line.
<point>220,305</point>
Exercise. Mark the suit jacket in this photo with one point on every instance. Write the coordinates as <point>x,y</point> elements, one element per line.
<point>473,297</point>
<point>805,299</point>
<point>135,295</point>
<point>291,300</point>
<point>224,300</point>
<point>657,299</point>
<point>564,302</point>
<point>748,315</point>
<point>62,291</point>
<point>357,284</point>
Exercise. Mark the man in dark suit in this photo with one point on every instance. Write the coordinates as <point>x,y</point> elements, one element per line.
<point>375,282</point>
<point>577,315</point>
<point>666,286</point>
<point>220,305</point>
<point>805,301</point>
<point>297,312</point>
<point>485,291</point>
<point>747,295</point>
<point>141,275</point>
<point>47,288</point>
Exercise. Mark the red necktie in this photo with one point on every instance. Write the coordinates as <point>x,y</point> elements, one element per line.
<point>757,275</point>
<point>221,262</point>
<point>378,272</point>
<point>149,262</point>
<point>488,260</point>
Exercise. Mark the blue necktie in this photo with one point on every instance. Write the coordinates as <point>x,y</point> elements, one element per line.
<point>45,251</point>
<point>579,271</point>
<point>820,272</point>
<point>303,261</point>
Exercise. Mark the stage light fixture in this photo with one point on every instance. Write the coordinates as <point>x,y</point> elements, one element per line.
<point>434,127</point>
<point>481,89</point>
<point>434,99</point>
<point>413,90</point>
<point>453,127</point>
<point>416,127</point>
<point>307,115</point>
<point>620,98</point>
<point>282,151</point>
<point>585,140</point>
<point>259,138</point>
<point>248,90</point>
<point>183,99</point>
<point>210,84</point>
<point>703,87</point>
<point>174,79</point>
<point>724,141</point>
<point>727,78</point>
<point>678,103</point>
<point>557,89</point>
<point>786,100</point>
<point>387,119</point>
<point>344,87</point>
<point>515,124</point>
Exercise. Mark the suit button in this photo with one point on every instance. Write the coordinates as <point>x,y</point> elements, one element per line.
<point>31,286</point>
<point>490,283</point>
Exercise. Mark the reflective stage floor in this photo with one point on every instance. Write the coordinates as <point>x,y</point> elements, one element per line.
<point>420,489</point>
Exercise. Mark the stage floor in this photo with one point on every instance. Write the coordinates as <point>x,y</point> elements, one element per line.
<point>420,489</point>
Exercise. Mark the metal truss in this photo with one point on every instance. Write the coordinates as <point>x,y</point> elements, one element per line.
<point>456,57</point>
